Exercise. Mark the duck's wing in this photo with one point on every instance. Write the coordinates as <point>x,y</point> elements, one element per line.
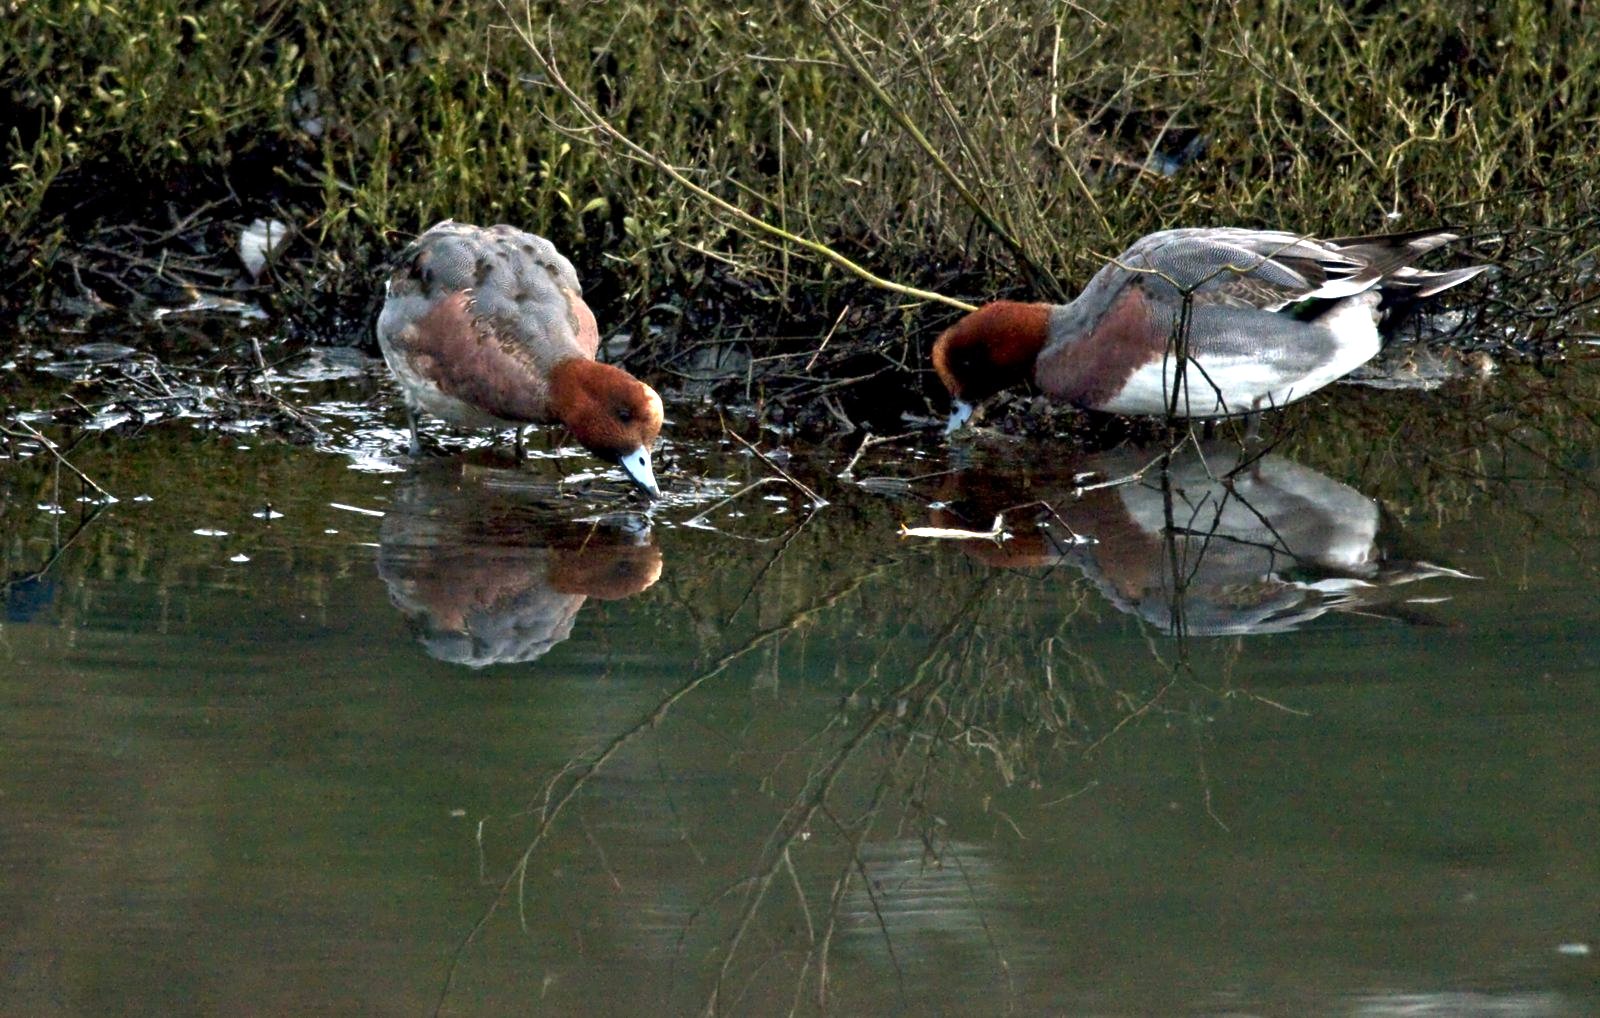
<point>519,286</point>
<point>1268,270</point>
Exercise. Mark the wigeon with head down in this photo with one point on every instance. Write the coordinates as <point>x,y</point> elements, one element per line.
<point>486,327</point>
<point>1273,317</point>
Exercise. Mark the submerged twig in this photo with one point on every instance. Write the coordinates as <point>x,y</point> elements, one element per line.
<point>57,552</point>
<point>817,500</point>
<point>34,433</point>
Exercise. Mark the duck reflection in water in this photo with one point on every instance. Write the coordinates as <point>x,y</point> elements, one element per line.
<point>486,578</point>
<point>1224,542</point>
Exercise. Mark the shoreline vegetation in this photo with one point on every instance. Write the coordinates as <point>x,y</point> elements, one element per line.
<point>972,150</point>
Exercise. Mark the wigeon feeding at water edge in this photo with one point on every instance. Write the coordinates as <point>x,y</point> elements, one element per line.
<point>486,327</point>
<point>1274,316</point>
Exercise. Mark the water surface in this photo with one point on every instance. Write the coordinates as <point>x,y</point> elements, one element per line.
<point>297,728</point>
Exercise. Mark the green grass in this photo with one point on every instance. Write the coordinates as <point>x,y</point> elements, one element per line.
<point>142,132</point>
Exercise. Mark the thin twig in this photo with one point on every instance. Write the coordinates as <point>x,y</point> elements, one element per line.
<point>824,344</point>
<point>605,127</point>
<point>868,443</point>
<point>699,518</point>
<point>36,435</point>
<point>1138,474</point>
<point>816,499</point>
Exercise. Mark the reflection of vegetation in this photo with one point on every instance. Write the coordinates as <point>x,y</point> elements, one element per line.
<point>970,682</point>
<point>1485,448</point>
<point>895,680</point>
<point>968,675</point>
<point>153,544</point>
<point>1508,449</point>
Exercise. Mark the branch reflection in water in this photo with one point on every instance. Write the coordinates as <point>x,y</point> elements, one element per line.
<point>866,874</point>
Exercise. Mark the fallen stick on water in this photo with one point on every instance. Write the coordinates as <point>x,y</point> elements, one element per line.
<point>994,533</point>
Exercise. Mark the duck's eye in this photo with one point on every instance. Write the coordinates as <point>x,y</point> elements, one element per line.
<point>624,414</point>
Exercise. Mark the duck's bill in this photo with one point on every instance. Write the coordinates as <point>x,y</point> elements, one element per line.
<point>958,416</point>
<point>636,465</point>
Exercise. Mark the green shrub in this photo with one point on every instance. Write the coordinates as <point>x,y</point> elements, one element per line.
<point>140,133</point>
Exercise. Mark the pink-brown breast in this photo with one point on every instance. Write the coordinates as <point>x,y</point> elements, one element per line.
<point>1090,367</point>
<point>469,359</point>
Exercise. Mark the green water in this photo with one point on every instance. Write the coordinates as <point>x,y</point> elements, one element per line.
<point>455,738</point>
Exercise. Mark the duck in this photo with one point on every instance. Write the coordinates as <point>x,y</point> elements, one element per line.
<point>486,327</point>
<point>1274,316</point>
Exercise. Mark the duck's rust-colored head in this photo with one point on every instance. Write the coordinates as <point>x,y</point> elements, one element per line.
<point>992,348</point>
<point>610,413</point>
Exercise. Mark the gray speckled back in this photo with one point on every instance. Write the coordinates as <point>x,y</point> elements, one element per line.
<point>1248,268</point>
<point>1238,274</point>
<point>525,290</point>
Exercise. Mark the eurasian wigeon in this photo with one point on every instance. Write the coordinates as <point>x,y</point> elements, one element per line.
<point>1274,316</point>
<point>486,327</point>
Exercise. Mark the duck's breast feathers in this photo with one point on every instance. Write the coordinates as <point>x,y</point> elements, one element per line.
<point>448,359</point>
<point>523,289</point>
<point>1267,270</point>
<point>1092,356</point>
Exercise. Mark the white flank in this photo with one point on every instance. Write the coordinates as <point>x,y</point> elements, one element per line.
<point>1219,386</point>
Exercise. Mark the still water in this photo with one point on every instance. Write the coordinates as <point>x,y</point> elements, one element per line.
<point>306,728</point>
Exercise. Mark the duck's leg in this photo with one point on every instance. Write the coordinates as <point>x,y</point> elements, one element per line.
<point>416,439</point>
<point>521,452</point>
<point>1252,424</point>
